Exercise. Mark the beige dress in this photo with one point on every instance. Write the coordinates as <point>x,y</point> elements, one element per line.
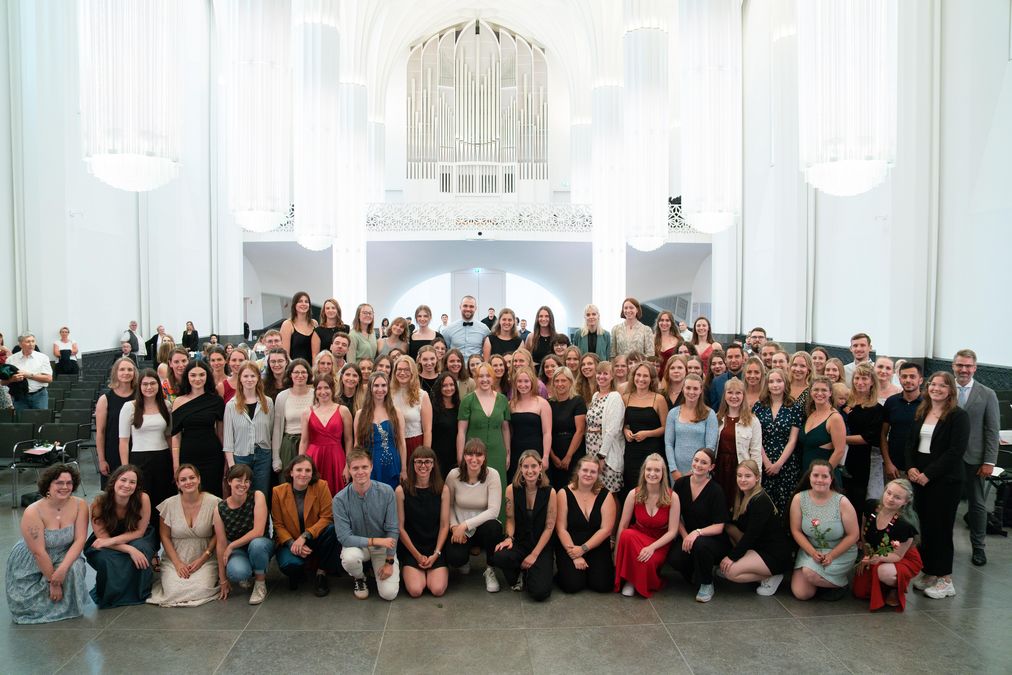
<point>171,590</point>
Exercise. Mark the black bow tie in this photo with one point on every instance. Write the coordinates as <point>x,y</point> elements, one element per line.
<point>469,323</point>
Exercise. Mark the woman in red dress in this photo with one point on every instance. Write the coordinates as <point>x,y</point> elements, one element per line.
<point>326,432</point>
<point>643,546</point>
<point>890,560</point>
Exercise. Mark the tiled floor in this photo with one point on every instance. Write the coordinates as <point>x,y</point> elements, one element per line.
<point>470,630</point>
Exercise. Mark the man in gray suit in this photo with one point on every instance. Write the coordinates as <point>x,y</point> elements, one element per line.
<point>981,404</point>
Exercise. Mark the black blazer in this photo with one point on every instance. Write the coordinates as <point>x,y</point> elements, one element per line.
<point>948,445</point>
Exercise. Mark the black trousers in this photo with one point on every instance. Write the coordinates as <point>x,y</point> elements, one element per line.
<point>859,467</point>
<point>936,505</point>
<point>326,556</point>
<point>538,576</point>
<point>486,536</point>
<point>697,566</point>
<point>599,575</point>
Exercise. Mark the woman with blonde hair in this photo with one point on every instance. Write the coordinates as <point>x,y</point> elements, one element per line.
<point>864,432</point>
<point>649,524</point>
<point>586,377</point>
<point>645,412</point>
<point>672,379</point>
<point>740,438</point>
<point>582,553</point>
<point>530,420</point>
<point>526,556</point>
<point>363,335</point>
<point>889,559</point>
<point>122,389</point>
<point>801,370</point>
<point>761,550</point>
<point>754,376</point>
<point>834,371</point>
<point>323,364</point>
<point>569,425</point>
<point>781,422</point>
<point>605,419</point>
<point>413,403</point>
<point>592,338</point>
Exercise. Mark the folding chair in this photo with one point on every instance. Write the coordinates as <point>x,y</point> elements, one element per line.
<point>35,417</point>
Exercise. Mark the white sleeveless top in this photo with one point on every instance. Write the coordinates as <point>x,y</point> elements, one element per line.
<point>412,414</point>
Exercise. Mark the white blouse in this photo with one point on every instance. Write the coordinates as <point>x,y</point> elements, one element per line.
<point>150,437</point>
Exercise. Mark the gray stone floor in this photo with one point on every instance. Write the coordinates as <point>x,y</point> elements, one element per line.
<point>470,630</point>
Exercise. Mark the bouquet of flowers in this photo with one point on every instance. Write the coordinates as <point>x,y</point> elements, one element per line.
<point>885,547</point>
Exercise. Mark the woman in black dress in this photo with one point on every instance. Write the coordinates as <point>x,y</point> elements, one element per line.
<point>445,404</point>
<point>197,415</point>
<point>191,340</point>
<point>701,542</point>
<point>582,554</point>
<point>863,413</point>
<point>645,414</point>
<point>539,342</point>
<point>122,388</point>
<point>423,511</point>
<point>761,549</point>
<point>422,336</point>
<point>530,420</point>
<point>297,330</point>
<point>504,338</point>
<point>329,325</point>
<point>569,424</point>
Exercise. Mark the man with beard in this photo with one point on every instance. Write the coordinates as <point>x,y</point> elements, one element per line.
<point>467,335</point>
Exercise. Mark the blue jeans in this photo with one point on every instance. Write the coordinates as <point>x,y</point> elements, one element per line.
<point>326,555</point>
<point>260,461</point>
<point>251,559</point>
<point>37,401</point>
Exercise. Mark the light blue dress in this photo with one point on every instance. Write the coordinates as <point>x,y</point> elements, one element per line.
<point>28,591</point>
<point>831,528</point>
<point>386,459</point>
<point>682,440</point>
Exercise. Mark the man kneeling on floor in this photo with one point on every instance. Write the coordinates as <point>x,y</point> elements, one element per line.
<point>365,518</point>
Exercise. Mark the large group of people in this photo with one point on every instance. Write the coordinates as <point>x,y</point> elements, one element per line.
<point>589,460</point>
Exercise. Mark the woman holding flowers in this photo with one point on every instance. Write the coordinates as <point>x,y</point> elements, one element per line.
<point>890,559</point>
<point>824,525</point>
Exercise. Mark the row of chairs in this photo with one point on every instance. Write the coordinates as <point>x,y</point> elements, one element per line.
<point>16,437</point>
<point>73,415</point>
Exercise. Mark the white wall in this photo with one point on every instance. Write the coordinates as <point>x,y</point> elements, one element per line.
<point>8,308</point>
<point>976,202</point>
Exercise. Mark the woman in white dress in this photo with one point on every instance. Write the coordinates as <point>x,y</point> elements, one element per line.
<point>189,576</point>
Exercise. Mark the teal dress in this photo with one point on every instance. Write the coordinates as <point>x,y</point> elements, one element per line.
<point>810,444</point>
<point>28,591</point>
<point>118,582</point>
<point>830,528</point>
<point>489,429</point>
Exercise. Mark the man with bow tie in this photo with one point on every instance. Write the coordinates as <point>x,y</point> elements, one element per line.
<point>467,335</point>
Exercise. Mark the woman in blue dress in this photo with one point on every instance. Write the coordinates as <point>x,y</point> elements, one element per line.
<point>123,544</point>
<point>379,430</point>
<point>46,571</point>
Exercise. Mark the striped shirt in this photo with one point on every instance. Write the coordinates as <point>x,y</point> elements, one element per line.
<point>243,435</point>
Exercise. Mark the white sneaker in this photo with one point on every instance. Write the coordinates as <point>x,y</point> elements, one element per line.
<point>491,583</point>
<point>769,585</point>
<point>942,589</point>
<point>465,569</point>
<point>924,582</point>
<point>628,590</point>
<point>519,585</point>
<point>259,593</point>
<point>245,584</point>
<point>705,593</point>
<point>361,589</point>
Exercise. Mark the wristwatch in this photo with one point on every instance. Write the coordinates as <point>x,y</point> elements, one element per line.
<point>390,561</point>
<point>583,547</point>
<point>307,535</point>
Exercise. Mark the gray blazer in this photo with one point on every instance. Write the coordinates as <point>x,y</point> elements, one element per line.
<point>982,407</point>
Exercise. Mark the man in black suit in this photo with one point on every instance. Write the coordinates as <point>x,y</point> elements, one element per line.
<point>155,343</point>
<point>490,319</point>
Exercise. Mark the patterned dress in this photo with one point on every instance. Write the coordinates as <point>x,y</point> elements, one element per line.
<point>28,591</point>
<point>776,434</point>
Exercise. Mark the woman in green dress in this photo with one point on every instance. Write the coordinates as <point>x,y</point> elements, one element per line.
<point>485,414</point>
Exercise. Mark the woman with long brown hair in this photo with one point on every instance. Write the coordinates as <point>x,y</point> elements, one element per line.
<point>666,338</point>
<point>379,430</point>
<point>363,335</point>
<point>539,342</point>
<point>330,324</point>
<point>298,329</point>
<point>143,434</point>
<point>249,427</point>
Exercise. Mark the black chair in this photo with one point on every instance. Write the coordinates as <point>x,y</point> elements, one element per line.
<point>7,416</point>
<point>76,417</point>
<point>67,441</point>
<point>78,396</point>
<point>77,404</point>
<point>14,438</point>
<point>35,417</point>
<point>55,404</point>
<point>1005,413</point>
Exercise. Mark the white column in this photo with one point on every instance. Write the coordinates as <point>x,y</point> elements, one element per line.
<point>608,265</point>
<point>581,174</point>
<point>349,267</point>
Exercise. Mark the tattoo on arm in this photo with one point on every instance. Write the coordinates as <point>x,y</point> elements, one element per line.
<point>33,532</point>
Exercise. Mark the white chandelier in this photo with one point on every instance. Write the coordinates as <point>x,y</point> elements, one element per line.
<point>710,38</point>
<point>316,115</point>
<point>254,38</point>
<point>847,74</point>
<point>130,91</point>
<point>646,122</point>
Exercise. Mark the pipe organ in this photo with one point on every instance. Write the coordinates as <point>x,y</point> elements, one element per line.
<point>477,116</point>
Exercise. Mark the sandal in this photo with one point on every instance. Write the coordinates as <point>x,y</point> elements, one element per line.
<point>156,564</point>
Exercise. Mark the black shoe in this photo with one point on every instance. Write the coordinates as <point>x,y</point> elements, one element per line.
<point>832,594</point>
<point>979,558</point>
<point>293,583</point>
<point>322,587</point>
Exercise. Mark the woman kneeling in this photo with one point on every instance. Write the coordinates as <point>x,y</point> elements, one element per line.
<point>423,511</point>
<point>891,561</point>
